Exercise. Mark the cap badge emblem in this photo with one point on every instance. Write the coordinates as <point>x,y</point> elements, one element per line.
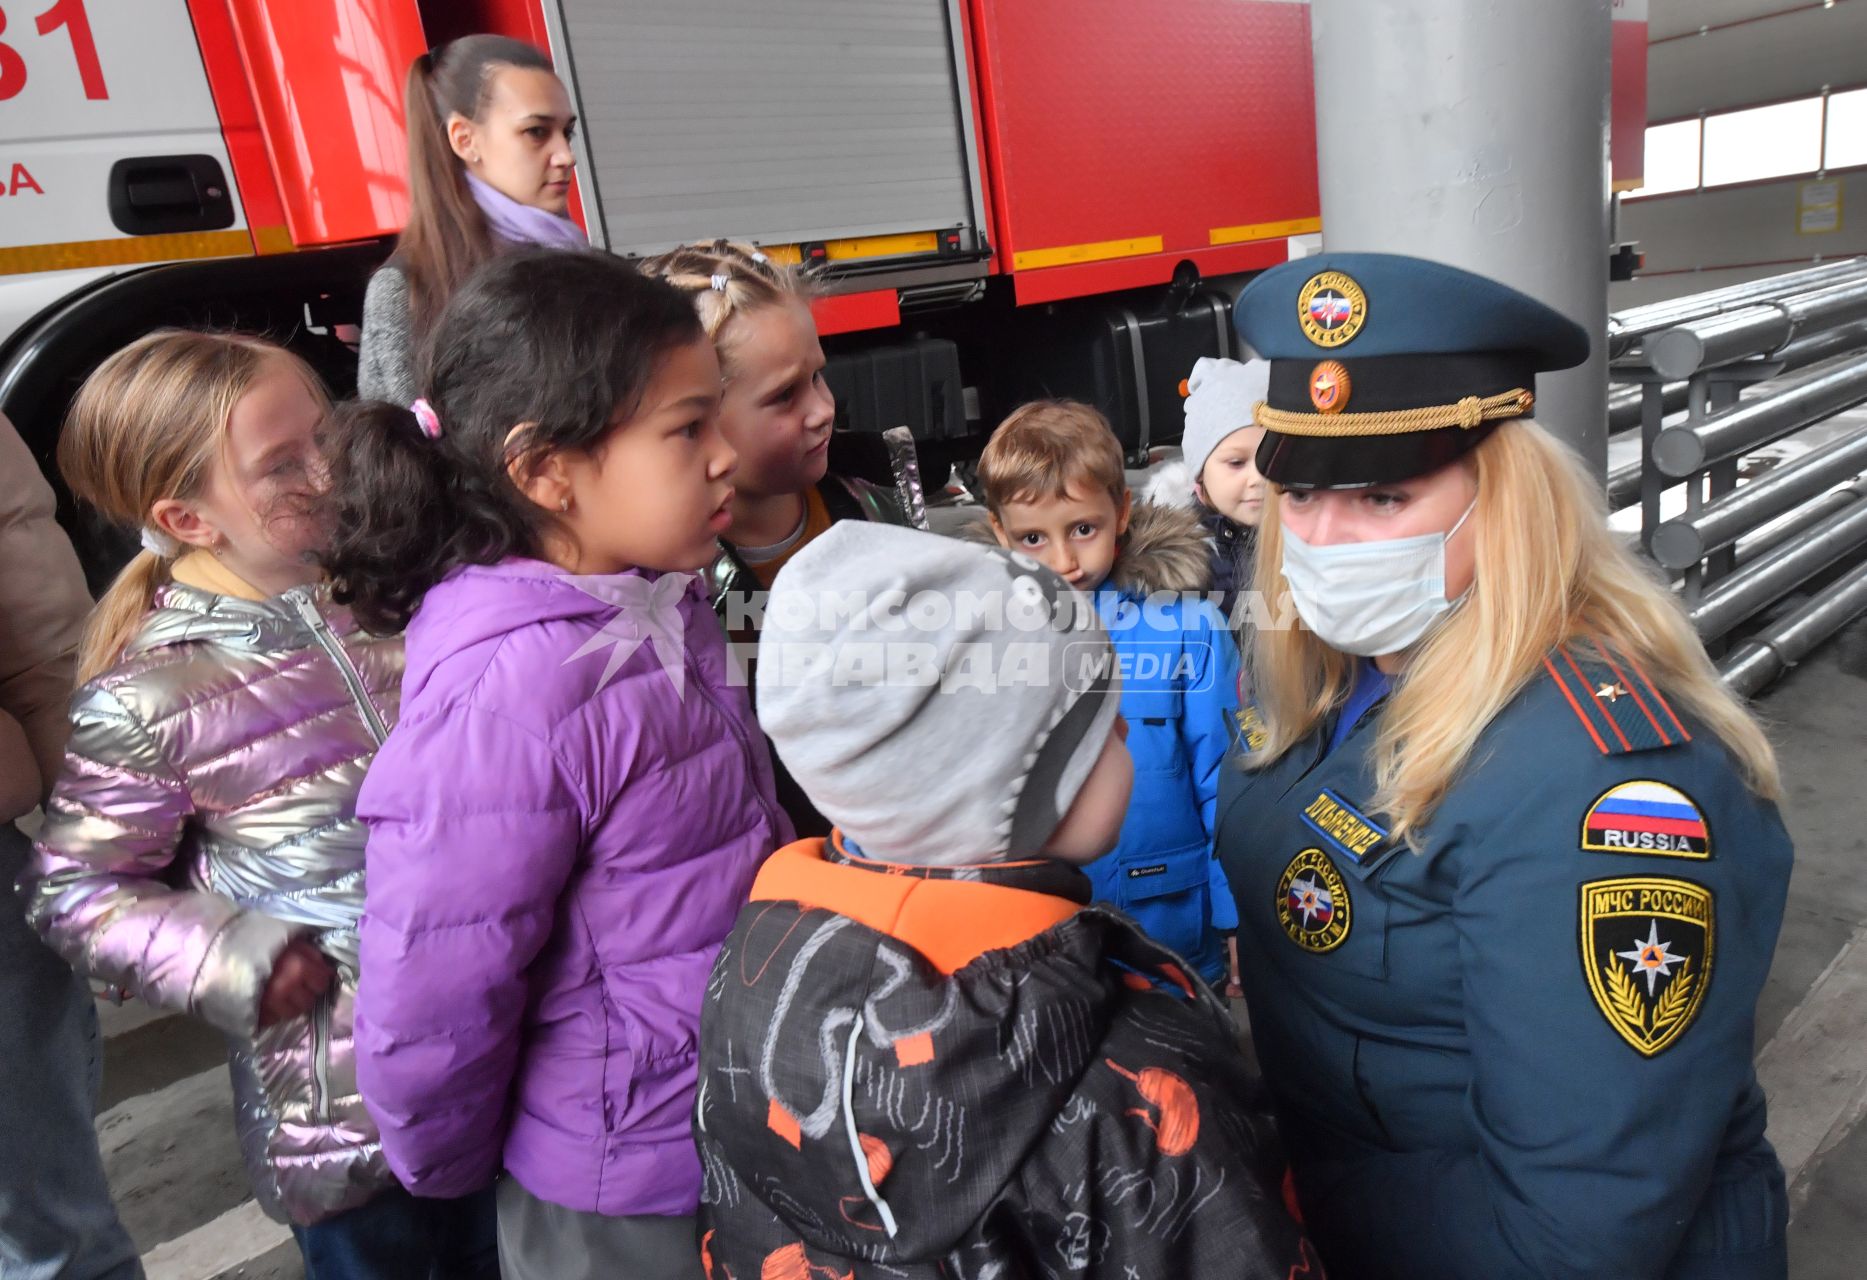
<point>1331,307</point>
<point>1329,387</point>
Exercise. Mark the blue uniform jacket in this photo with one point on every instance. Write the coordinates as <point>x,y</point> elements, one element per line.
<point>1179,696</point>
<point>1525,1050</point>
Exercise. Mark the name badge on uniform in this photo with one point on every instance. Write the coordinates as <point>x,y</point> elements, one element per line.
<point>1348,829</point>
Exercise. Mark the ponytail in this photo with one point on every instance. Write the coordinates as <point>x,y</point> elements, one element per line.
<point>114,622</point>
<point>447,236</point>
<point>407,512</point>
<point>558,342</point>
<point>149,424</point>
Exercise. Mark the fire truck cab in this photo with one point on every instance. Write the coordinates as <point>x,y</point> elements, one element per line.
<point>1003,198</point>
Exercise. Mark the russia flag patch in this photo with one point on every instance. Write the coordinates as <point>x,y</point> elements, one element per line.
<point>1646,817</point>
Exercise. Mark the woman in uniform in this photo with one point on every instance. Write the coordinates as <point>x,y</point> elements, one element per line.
<point>1508,863</point>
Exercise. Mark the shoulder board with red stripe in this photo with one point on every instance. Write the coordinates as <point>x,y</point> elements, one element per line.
<point>1616,703</point>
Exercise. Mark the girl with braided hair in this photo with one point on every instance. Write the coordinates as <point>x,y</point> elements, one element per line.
<point>777,412</point>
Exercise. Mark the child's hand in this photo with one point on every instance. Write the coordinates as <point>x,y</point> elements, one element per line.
<point>1234,989</point>
<point>300,976</point>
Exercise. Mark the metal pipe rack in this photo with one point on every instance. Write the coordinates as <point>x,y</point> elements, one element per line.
<point>1841,530</point>
<point>1765,329</point>
<point>1625,402</point>
<point>1678,544</point>
<point>1629,329</point>
<point>1724,358</point>
<point>1828,388</point>
<point>1770,653</point>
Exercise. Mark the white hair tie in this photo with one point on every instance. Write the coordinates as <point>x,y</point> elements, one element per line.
<point>760,258</point>
<point>720,282</point>
<point>158,543</point>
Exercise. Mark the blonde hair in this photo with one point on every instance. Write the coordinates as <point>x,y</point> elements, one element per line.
<point>726,279</point>
<point>149,424</point>
<point>1548,572</point>
<point>1047,447</point>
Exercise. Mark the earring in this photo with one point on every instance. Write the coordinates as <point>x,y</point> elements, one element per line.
<point>563,504</point>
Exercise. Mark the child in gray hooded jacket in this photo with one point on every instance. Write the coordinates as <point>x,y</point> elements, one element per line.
<point>924,1053</point>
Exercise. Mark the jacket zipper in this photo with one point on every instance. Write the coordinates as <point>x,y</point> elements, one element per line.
<point>359,693</point>
<point>328,641</point>
<point>321,1058</point>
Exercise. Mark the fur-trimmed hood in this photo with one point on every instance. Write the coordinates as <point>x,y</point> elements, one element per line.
<point>1165,550</point>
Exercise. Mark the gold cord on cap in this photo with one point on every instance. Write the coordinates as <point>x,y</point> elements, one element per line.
<point>1466,414</point>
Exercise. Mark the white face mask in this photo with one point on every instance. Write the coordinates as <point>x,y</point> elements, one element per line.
<point>1370,598</point>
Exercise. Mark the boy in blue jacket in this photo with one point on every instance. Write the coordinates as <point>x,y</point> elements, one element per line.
<point>1055,490</point>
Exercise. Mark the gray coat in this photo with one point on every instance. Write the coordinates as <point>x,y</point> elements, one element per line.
<point>386,362</point>
<point>205,816</point>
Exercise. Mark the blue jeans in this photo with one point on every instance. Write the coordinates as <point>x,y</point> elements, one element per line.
<point>56,1218</point>
<point>397,1236</point>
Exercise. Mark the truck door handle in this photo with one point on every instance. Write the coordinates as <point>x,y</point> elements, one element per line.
<point>163,192</point>
<point>162,195</point>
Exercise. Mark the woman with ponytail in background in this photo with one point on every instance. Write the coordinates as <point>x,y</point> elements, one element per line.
<point>489,165</point>
<point>201,847</point>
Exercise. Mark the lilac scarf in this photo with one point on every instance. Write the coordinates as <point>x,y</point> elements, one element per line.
<point>521,223</point>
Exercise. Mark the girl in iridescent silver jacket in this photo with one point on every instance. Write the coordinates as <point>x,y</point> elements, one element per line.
<point>201,848</point>
<point>205,818</point>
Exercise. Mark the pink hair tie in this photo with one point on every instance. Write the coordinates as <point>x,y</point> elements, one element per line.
<point>426,419</point>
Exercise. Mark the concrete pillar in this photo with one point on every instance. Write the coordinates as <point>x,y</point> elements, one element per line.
<point>1475,132</point>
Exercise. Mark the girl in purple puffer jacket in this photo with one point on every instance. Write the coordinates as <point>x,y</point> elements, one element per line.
<point>569,814</point>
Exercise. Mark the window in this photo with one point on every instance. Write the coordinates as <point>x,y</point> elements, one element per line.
<point>1763,142</point>
<point>1847,130</point>
<point>1785,139</point>
<point>1672,158</point>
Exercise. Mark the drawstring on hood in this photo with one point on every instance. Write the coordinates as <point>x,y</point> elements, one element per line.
<point>863,1174</point>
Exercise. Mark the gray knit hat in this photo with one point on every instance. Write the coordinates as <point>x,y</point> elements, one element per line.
<point>1221,397</point>
<point>940,701</point>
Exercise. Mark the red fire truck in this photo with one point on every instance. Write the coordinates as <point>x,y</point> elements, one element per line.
<point>1007,198</point>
